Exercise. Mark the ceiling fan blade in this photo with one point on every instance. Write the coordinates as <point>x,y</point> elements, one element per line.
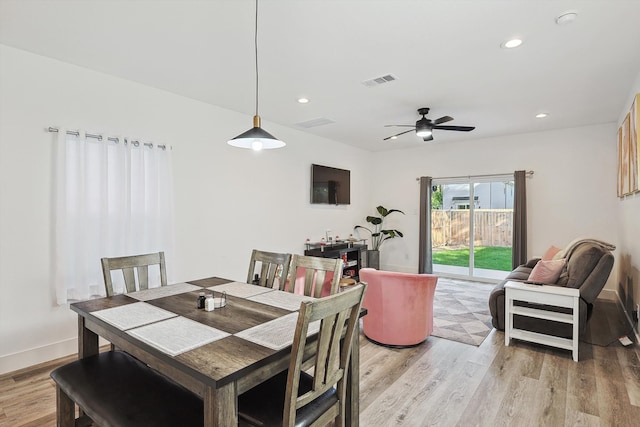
<point>443,119</point>
<point>400,126</point>
<point>428,138</point>
<point>398,134</point>
<point>458,128</point>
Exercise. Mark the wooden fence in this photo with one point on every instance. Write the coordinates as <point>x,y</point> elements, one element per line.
<point>493,227</point>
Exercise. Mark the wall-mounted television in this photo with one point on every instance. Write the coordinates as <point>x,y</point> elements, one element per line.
<point>330,186</point>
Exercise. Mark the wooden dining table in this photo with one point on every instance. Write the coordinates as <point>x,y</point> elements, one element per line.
<point>216,354</point>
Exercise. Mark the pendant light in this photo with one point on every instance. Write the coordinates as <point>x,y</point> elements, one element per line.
<point>256,138</point>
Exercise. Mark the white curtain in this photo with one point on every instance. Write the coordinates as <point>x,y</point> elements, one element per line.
<point>110,199</point>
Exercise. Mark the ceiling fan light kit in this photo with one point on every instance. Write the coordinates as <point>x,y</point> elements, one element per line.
<point>422,128</point>
<point>256,138</point>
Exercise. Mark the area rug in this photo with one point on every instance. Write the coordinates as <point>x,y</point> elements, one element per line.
<point>461,311</point>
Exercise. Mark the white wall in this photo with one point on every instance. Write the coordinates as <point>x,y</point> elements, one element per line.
<point>571,194</point>
<point>228,200</point>
<point>629,230</point>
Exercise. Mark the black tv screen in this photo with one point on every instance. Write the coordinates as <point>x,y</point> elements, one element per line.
<point>330,186</point>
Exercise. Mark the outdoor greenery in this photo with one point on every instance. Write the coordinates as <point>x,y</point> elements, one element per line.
<point>489,257</point>
<point>436,197</point>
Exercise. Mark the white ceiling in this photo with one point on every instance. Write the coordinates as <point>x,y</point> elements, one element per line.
<point>445,53</point>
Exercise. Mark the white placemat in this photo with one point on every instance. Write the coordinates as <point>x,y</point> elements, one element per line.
<point>163,291</point>
<point>177,335</point>
<point>241,290</point>
<point>276,334</point>
<point>281,299</point>
<point>132,315</point>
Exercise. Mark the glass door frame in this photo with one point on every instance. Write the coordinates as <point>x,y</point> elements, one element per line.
<point>471,182</point>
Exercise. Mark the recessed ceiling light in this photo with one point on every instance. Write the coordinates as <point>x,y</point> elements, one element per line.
<point>566,18</point>
<point>510,44</point>
<point>542,115</point>
<point>303,100</point>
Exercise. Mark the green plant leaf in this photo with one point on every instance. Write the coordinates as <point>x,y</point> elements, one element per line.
<point>392,233</point>
<point>378,236</point>
<point>374,220</point>
<point>360,226</point>
<point>394,210</point>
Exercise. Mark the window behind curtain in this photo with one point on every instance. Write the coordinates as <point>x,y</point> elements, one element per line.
<point>110,199</point>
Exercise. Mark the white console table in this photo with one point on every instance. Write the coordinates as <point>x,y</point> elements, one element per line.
<point>542,294</point>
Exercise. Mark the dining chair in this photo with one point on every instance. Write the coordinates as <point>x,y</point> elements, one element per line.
<point>314,274</point>
<point>295,397</point>
<point>271,265</point>
<point>129,266</point>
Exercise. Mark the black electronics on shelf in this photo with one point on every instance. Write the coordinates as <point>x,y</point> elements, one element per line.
<point>352,253</point>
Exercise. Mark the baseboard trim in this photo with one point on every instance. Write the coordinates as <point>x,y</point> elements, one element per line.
<point>34,356</point>
<point>468,279</point>
<point>626,315</point>
<point>405,269</point>
<point>24,359</point>
<point>609,295</point>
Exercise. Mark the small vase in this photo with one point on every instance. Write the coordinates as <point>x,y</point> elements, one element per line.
<point>373,259</point>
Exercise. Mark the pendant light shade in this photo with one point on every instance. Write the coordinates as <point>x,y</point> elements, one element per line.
<point>256,138</point>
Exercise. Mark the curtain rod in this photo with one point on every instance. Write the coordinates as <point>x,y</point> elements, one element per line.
<point>115,139</point>
<point>529,173</point>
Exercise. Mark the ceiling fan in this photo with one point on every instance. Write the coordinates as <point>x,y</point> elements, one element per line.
<point>424,127</point>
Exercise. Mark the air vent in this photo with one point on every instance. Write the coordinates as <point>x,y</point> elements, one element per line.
<point>321,121</point>
<point>379,80</point>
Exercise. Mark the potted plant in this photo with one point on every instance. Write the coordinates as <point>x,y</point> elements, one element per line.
<point>378,234</point>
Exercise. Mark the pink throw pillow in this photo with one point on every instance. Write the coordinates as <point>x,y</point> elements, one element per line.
<point>547,271</point>
<point>549,254</point>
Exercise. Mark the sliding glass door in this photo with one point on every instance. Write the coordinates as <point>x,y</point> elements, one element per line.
<point>472,226</point>
<point>450,227</point>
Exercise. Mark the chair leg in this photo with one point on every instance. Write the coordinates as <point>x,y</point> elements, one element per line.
<point>340,419</point>
<point>65,414</point>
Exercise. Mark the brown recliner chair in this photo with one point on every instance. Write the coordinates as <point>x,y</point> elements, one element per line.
<point>588,266</point>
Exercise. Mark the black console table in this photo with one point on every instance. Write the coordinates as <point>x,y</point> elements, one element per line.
<point>352,253</point>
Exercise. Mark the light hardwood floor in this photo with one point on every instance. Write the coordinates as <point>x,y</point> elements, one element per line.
<point>440,383</point>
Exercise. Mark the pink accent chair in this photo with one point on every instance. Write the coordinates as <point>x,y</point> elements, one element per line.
<point>400,307</point>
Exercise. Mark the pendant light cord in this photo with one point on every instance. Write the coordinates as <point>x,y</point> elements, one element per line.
<point>255,43</point>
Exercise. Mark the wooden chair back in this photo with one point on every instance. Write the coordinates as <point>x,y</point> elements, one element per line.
<point>129,266</point>
<point>316,270</point>
<point>272,266</point>
<point>338,315</point>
